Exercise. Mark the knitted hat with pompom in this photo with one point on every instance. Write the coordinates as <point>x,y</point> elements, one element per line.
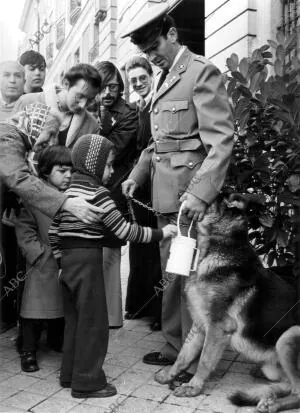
<point>90,153</point>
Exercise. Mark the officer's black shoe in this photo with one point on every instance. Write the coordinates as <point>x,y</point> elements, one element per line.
<point>28,362</point>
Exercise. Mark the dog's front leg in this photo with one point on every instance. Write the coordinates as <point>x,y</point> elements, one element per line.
<point>216,340</point>
<point>190,350</point>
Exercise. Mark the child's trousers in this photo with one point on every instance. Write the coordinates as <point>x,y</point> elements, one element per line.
<point>86,320</point>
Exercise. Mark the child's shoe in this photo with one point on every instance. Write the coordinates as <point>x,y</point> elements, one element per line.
<point>28,361</point>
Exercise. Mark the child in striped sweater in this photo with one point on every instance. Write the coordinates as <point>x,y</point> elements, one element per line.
<point>78,249</point>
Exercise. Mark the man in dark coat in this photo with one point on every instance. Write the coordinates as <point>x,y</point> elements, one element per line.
<point>145,271</point>
<point>118,123</point>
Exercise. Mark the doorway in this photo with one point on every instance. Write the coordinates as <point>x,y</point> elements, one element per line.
<point>189,18</point>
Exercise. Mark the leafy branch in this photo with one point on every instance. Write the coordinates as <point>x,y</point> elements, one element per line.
<point>264,90</point>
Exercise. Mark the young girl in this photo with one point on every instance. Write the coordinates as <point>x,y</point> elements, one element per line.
<point>78,248</point>
<point>42,297</point>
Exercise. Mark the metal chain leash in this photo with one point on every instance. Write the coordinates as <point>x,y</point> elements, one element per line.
<point>145,206</point>
<point>173,220</point>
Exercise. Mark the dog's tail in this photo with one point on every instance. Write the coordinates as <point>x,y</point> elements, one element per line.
<point>253,396</point>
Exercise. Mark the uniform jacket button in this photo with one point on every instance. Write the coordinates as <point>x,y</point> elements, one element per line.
<point>173,110</point>
<point>157,159</point>
<point>191,164</point>
<point>155,127</point>
<point>156,111</point>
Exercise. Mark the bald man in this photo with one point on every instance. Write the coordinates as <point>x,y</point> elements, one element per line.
<point>12,81</point>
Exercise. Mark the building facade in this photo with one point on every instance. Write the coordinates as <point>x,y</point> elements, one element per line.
<point>70,31</point>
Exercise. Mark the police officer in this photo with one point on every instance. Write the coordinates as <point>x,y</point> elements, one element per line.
<point>192,133</point>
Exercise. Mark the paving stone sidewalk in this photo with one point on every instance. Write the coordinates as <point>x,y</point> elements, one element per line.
<point>137,391</point>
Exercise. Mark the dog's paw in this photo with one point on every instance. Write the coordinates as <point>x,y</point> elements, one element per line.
<point>162,377</point>
<point>187,390</point>
<point>267,405</point>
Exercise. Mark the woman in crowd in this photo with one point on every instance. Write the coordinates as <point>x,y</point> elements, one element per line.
<point>30,129</point>
<point>145,271</point>
<point>33,128</point>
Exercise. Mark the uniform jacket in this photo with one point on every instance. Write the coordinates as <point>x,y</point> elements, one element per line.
<point>191,103</point>
<point>81,124</point>
<point>120,126</point>
<point>42,296</point>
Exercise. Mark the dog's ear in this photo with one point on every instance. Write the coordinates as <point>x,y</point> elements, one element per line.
<point>245,201</point>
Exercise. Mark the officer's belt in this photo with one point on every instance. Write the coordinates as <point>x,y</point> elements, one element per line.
<point>177,145</point>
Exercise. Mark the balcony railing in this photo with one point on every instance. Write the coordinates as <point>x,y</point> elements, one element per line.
<point>289,16</point>
<point>60,33</point>
<point>74,14</point>
<point>94,52</point>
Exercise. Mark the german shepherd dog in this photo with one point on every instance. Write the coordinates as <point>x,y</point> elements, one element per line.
<point>234,300</point>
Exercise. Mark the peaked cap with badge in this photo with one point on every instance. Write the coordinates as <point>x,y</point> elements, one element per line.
<point>146,28</point>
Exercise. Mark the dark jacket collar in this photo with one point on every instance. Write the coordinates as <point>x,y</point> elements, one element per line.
<point>118,106</point>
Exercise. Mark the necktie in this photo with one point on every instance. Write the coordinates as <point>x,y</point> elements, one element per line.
<point>141,103</point>
<point>162,79</point>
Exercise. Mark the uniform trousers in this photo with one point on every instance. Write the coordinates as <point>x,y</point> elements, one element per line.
<point>86,320</point>
<point>176,319</point>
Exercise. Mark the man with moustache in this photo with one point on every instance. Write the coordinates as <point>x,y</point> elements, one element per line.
<point>145,269</point>
<point>118,123</point>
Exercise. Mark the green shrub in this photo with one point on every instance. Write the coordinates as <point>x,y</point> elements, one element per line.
<point>265,93</point>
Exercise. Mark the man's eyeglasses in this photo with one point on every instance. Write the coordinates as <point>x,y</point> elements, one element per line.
<point>112,87</point>
<point>141,79</point>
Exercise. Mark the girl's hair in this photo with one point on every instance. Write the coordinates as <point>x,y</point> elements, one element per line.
<point>52,156</point>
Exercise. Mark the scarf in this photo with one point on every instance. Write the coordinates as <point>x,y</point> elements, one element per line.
<point>30,122</point>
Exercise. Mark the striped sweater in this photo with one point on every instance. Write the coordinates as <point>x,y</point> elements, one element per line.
<point>67,228</point>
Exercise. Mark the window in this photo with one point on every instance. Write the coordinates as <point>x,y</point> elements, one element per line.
<point>75,9</point>
<point>290,22</point>
<point>60,33</point>
<point>77,56</point>
<point>85,44</point>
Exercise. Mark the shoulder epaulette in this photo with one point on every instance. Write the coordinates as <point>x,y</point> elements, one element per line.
<point>200,58</point>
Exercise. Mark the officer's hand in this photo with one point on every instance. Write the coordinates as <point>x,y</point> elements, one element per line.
<point>194,207</point>
<point>128,187</point>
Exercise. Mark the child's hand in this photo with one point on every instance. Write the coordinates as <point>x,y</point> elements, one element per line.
<point>169,230</point>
